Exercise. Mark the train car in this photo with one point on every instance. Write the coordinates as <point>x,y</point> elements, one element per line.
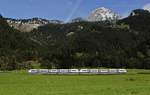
<point>33,71</point>
<point>43,71</point>
<point>73,71</point>
<point>63,71</point>
<point>113,71</point>
<point>53,71</point>
<point>122,71</point>
<point>84,71</point>
<point>93,71</point>
<point>103,71</point>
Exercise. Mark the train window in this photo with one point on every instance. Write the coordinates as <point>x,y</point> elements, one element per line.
<point>54,70</point>
<point>104,70</point>
<point>74,70</point>
<point>84,70</point>
<point>33,71</point>
<point>122,70</point>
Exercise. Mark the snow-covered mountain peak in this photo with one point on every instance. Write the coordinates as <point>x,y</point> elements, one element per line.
<point>102,14</point>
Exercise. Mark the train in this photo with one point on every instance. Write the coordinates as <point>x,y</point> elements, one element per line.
<point>77,71</point>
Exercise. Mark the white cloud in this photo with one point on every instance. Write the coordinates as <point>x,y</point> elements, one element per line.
<point>147,7</point>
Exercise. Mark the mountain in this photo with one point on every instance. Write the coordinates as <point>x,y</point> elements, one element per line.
<point>139,12</point>
<point>139,19</point>
<point>27,25</point>
<point>103,14</point>
<point>80,44</point>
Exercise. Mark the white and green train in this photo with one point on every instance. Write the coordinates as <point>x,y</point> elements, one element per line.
<point>77,71</point>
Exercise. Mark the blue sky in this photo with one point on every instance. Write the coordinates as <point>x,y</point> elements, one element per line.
<point>65,9</point>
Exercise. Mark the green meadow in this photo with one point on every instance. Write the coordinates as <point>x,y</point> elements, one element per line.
<point>136,82</point>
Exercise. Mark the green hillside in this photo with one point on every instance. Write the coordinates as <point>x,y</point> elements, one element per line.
<point>124,44</point>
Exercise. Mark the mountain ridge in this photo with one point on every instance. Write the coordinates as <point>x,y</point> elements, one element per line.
<point>27,25</point>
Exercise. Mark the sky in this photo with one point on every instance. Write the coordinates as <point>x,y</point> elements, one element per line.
<point>66,9</point>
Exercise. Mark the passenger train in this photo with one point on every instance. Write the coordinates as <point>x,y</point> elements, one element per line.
<point>77,71</point>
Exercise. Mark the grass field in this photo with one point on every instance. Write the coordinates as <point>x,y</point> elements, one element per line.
<point>137,82</point>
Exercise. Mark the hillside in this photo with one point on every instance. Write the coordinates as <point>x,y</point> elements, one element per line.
<point>15,48</point>
<point>139,20</point>
<point>124,44</point>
